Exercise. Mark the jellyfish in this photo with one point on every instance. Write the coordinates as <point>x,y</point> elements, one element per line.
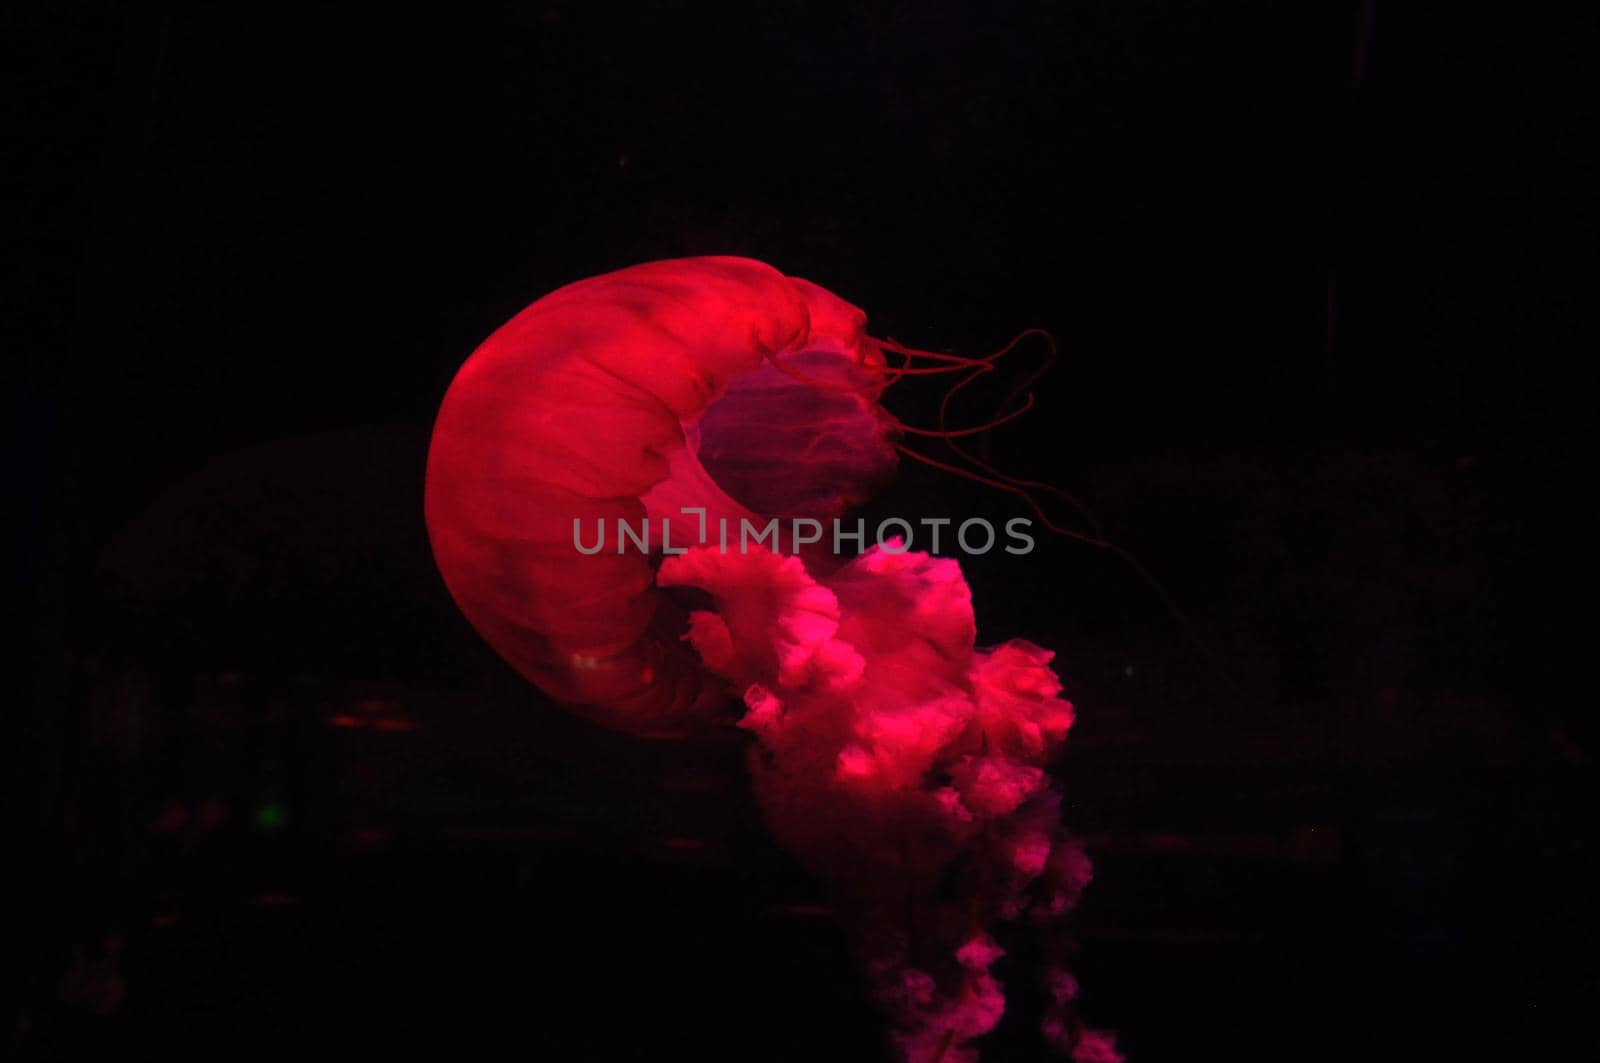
<point>901,763</point>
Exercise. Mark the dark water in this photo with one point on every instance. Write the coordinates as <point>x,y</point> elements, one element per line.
<point>1320,374</point>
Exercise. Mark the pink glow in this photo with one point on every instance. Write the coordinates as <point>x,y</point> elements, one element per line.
<point>892,756</point>
<point>902,764</point>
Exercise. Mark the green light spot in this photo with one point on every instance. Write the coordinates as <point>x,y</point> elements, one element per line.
<point>271,817</point>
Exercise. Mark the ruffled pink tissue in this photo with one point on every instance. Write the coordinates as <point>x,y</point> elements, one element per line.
<point>906,768</point>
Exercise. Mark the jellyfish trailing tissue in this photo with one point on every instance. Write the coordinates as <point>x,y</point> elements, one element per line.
<point>901,763</point>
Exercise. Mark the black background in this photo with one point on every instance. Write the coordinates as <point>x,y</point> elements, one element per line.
<point>1311,269</point>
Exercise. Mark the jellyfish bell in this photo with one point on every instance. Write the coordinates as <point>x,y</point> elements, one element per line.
<point>713,385</point>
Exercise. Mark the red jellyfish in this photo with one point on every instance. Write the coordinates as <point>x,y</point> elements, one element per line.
<point>682,405</point>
